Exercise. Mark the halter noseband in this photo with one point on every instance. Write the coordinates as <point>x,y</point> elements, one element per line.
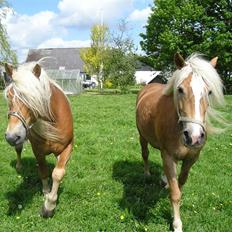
<point>21,118</point>
<point>192,120</point>
<point>187,119</point>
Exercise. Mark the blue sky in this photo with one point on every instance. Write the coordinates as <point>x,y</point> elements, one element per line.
<point>67,23</point>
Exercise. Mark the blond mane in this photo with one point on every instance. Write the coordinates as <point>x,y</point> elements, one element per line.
<point>203,69</point>
<point>35,93</point>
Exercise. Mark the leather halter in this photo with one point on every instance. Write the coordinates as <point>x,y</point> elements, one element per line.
<point>191,120</point>
<point>21,118</point>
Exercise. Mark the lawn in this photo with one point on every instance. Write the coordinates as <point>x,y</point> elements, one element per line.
<point>104,188</point>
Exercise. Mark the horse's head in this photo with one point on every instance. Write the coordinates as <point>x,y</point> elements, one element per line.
<point>191,96</point>
<point>20,117</point>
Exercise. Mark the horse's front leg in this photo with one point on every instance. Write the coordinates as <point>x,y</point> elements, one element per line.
<point>57,176</point>
<point>18,150</point>
<point>175,193</point>
<point>186,165</point>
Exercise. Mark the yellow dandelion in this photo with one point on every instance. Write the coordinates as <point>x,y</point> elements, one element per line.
<point>122,217</point>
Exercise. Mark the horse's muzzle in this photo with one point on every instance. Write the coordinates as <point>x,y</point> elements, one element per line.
<point>192,139</point>
<point>13,139</point>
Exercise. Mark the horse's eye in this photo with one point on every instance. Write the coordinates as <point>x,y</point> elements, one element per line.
<point>210,92</point>
<point>180,90</point>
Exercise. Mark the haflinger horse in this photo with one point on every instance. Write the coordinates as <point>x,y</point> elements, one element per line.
<point>174,118</point>
<point>40,112</point>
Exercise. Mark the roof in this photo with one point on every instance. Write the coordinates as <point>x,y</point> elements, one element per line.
<point>141,66</point>
<point>58,58</point>
<point>145,77</point>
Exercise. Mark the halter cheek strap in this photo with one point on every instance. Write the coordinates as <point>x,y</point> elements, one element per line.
<point>21,118</point>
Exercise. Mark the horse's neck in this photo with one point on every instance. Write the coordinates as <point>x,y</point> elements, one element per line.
<point>167,119</point>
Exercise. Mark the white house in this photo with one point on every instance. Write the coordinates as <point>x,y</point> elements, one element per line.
<point>145,77</point>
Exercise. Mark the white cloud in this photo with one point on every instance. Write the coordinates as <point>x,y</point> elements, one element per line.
<point>140,15</point>
<point>50,29</point>
<point>22,54</point>
<point>27,31</point>
<point>84,13</point>
<point>60,43</point>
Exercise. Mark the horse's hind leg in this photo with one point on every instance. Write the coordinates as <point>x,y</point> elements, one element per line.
<point>57,176</point>
<point>18,150</point>
<point>145,154</point>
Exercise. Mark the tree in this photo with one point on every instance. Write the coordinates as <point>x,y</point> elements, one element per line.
<point>94,56</point>
<point>190,26</point>
<point>120,60</point>
<point>6,53</point>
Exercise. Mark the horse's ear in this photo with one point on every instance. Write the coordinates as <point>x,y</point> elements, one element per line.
<point>37,70</point>
<point>179,61</point>
<point>9,69</point>
<point>7,75</point>
<point>214,61</point>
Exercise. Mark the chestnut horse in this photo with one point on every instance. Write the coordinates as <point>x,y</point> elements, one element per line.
<point>174,118</point>
<point>39,111</point>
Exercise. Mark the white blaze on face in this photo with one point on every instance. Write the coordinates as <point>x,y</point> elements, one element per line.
<point>198,86</point>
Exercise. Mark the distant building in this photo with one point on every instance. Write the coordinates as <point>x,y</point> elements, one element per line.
<point>62,64</point>
<point>145,74</point>
<point>58,58</point>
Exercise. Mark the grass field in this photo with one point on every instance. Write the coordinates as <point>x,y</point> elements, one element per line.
<point>104,188</point>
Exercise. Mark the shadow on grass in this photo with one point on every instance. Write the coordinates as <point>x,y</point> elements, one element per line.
<point>104,93</point>
<point>141,193</point>
<point>112,92</point>
<point>29,186</point>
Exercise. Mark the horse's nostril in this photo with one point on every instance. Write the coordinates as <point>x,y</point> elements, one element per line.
<point>202,135</point>
<point>187,137</point>
<point>186,133</point>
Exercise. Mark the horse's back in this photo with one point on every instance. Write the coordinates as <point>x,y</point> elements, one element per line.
<point>150,90</point>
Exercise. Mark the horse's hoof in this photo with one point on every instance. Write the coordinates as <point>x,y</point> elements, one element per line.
<point>46,213</point>
<point>147,173</point>
<point>18,167</point>
<point>164,182</point>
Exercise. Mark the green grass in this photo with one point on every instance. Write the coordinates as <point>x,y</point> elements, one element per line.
<point>104,188</point>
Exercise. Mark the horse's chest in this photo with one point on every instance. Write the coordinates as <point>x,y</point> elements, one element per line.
<point>46,147</point>
<point>181,152</point>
